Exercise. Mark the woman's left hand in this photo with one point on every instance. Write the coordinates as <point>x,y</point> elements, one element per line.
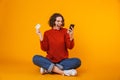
<point>70,32</point>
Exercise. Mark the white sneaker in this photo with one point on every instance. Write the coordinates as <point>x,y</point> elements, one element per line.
<point>43,71</point>
<point>71,72</point>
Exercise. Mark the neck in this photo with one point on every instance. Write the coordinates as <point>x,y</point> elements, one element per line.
<point>56,28</point>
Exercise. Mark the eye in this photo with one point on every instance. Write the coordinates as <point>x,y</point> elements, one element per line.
<point>59,21</point>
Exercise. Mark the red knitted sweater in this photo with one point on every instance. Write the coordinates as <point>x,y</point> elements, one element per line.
<point>56,43</point>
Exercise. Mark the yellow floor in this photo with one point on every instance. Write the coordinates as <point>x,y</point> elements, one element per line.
<point>28,71</point>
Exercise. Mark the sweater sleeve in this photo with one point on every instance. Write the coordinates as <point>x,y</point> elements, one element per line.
<point>69,44</point>
<point>44,43</point>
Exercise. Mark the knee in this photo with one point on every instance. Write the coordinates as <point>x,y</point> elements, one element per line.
<point>77,61</point>
<point>35,58</point>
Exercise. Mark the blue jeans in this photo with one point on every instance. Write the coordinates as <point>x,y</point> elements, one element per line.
<point>66,64</point>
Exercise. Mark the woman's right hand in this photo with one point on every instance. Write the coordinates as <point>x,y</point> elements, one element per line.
<point>38,32</point>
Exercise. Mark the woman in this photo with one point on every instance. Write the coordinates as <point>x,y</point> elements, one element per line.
<point>55,42</point>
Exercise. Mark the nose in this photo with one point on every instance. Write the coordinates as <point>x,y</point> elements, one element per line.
<point>60,22</point>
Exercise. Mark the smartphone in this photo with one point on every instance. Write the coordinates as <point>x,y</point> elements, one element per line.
<point>71,26</point>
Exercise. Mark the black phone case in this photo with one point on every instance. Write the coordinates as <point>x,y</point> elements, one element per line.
<point>71,26</point>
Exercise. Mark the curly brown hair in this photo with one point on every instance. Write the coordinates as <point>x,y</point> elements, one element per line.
<point>52,19</point>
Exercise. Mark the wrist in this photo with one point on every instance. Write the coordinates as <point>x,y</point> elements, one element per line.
<point>71,37</point>
<point>40,36</point>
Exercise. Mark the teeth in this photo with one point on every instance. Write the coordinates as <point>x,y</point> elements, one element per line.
<point>37,26</point>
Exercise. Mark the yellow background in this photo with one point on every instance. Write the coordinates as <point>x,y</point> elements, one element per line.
<point>97,37</point>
